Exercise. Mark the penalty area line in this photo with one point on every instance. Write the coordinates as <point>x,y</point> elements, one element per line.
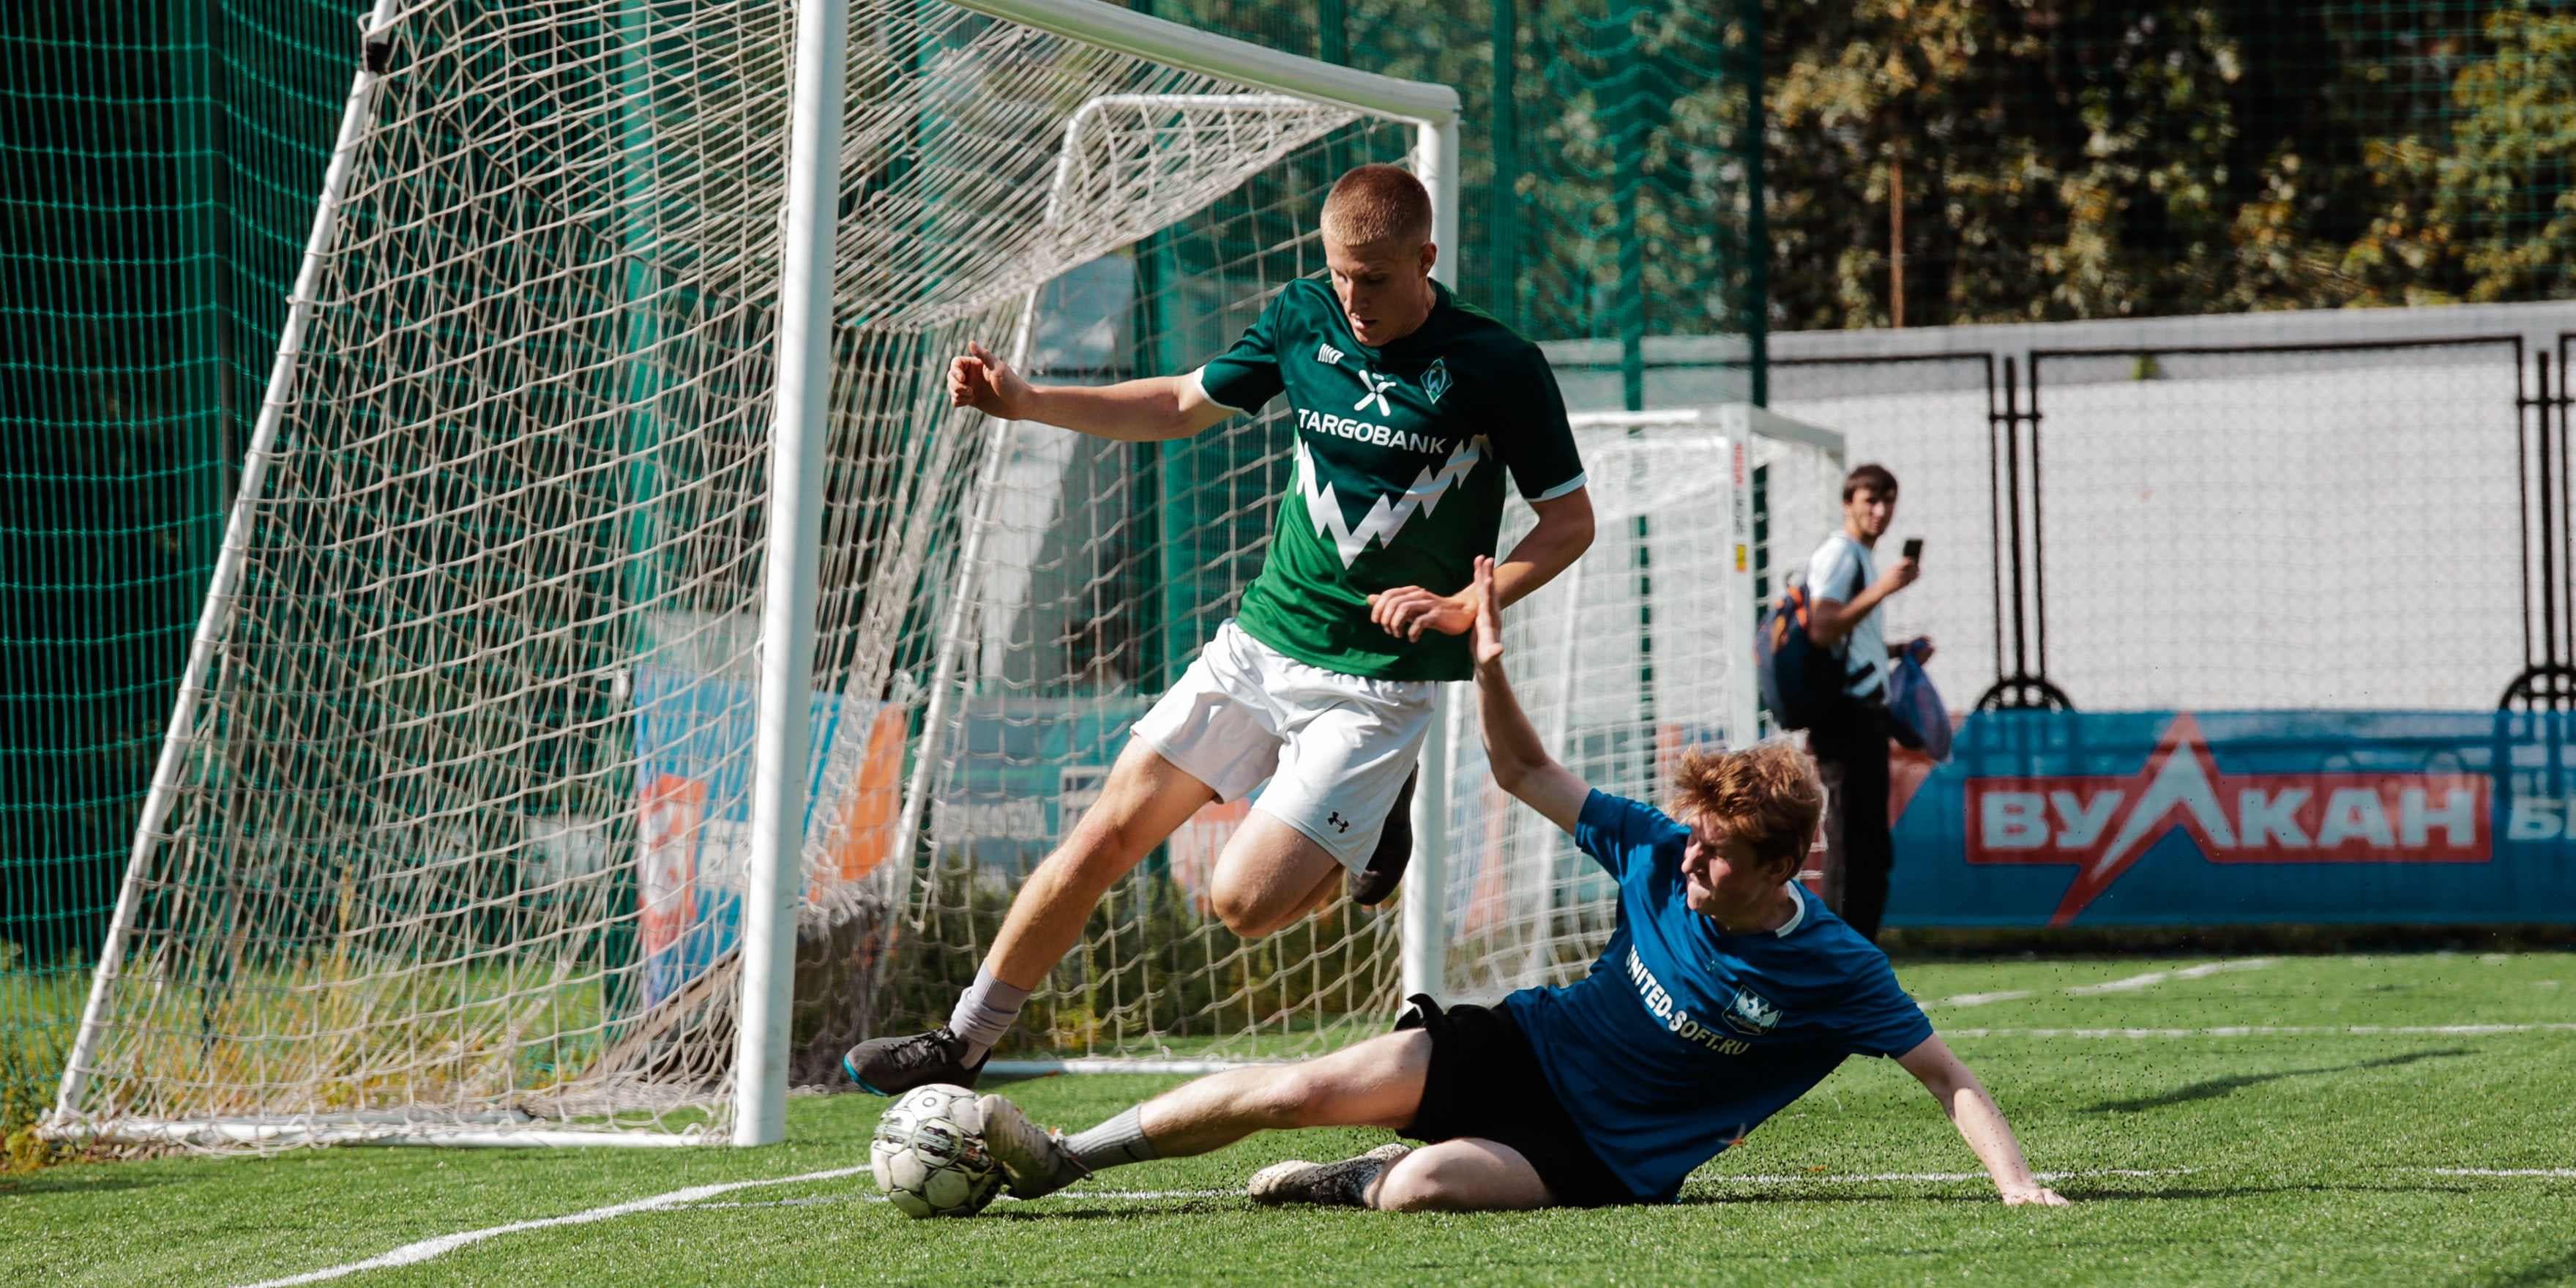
<point>427,1249</point>
<point>2127,984</point>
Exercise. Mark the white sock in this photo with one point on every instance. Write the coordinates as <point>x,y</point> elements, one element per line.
<point>1117,1141</point>
<point>985,1013</point>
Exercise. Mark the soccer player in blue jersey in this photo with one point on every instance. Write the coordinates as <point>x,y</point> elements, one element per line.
<point>1726,992</point>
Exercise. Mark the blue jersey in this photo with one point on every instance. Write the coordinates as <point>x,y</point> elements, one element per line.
<point>1683,1038</point>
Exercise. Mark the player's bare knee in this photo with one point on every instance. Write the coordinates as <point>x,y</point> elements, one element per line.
<point>1422,1181</point>
<point>1244,909</point>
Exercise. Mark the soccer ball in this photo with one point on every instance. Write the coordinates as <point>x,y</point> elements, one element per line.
<point>929,1154</point>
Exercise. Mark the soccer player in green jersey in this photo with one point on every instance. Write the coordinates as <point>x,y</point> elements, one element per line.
<point>1410,408</point>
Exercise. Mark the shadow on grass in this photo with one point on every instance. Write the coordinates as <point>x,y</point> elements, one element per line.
<point>1187,1207</point>
<point>2556,1270</point>
<point>2075,1189</point>
<point>2180,1192</point>
<point>2216,1087</point>
<point>74,1179</point>
<point>2550,1272</point>
<point>839,1087</point>
<point>1828,1195</point>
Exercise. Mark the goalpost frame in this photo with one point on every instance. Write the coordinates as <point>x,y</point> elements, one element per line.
<point>1433,111</point>
<point>782,747</point>
<point>790,579</point>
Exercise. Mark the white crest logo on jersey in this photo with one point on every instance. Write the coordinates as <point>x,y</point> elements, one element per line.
<point>1328,355</point>
<point>1376,385</point>
<point>1435,380</point>
<point>1752,1014</point>
<point>1388,514</point>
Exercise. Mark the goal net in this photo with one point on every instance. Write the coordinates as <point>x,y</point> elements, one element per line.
<point>1638,652</point>
<point>450,840</point>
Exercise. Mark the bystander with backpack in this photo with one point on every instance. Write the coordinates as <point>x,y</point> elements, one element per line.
<point>1843,691</point>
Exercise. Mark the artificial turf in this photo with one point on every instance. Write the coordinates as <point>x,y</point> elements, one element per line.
<point>2225,1127</point>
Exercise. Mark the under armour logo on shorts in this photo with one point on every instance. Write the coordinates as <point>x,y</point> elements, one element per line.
<point>1337,820</point>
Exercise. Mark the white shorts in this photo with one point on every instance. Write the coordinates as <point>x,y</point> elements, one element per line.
<point>1336,748</point>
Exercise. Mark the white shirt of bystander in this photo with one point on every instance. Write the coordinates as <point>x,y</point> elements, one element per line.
<point>1840,570</point>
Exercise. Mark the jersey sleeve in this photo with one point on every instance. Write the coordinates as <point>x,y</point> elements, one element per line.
<point>1879,1019</point>
<point>1834,572</point>
<point>1246,376</point>
<point>1538,445</point>
<point>1615,830</point>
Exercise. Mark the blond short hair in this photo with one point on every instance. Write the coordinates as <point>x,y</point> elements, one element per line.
<point>1765,795</point>
<point>1378,203</point>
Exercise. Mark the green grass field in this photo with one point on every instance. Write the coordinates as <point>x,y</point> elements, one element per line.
<point>2230,1127</point>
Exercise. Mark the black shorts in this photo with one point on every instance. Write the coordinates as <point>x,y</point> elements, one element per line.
<point>1485,1084</point>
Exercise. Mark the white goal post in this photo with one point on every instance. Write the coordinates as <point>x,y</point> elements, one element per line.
<point>617,332</point>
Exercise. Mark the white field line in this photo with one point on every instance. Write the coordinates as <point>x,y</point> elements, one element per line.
<point>1980,999</point>
<point>692,1199</point>
<point>2152,978</point>
<point>2129,984</point>
<point>2275,1031</point>
<point>426,1249</point>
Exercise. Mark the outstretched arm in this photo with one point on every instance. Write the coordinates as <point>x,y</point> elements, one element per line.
<point>1520,761</point>
<point>1954,1085</point>
<point>1133,411</point>
<point>1563,533</point>
<point>1832,619</point>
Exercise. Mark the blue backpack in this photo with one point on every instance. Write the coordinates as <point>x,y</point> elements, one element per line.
<point>1799,679</point>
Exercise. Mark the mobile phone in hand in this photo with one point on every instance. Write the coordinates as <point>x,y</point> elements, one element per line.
<point>1914,549</point>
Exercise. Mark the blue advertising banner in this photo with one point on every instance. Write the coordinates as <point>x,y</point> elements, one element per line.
<point>2220,818</point>
<point>693,745</point>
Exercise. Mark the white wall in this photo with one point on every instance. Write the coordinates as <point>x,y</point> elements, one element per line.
<point>2292,530</point>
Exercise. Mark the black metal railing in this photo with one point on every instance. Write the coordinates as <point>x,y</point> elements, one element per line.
<point>2545,471</point>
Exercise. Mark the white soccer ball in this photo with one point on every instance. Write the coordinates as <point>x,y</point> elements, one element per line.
<point>929,1154</point>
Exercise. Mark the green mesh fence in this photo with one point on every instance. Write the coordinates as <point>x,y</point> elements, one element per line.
<point>1957,161</point>
<point>157,171</point>
<point>1611,156</point>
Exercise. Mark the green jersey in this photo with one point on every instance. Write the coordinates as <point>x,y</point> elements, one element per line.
<point>1400,454</point>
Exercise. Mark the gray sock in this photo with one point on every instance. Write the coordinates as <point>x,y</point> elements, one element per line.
<point>985,1013</point>
<point>1117,1141</point>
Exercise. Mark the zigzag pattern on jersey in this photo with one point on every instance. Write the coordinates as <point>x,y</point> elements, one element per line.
<point>1388,514</point>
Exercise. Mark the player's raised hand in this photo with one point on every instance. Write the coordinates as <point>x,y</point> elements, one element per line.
<point>1407,611</point>
<point>986,383</point>
<point>1489,614</point>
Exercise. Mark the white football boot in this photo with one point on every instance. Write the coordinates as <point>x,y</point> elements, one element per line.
<point>1344,1183</point>
<point>1034,1158</point>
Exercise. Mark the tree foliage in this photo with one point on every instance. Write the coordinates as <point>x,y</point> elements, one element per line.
<point>2080,159</point>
